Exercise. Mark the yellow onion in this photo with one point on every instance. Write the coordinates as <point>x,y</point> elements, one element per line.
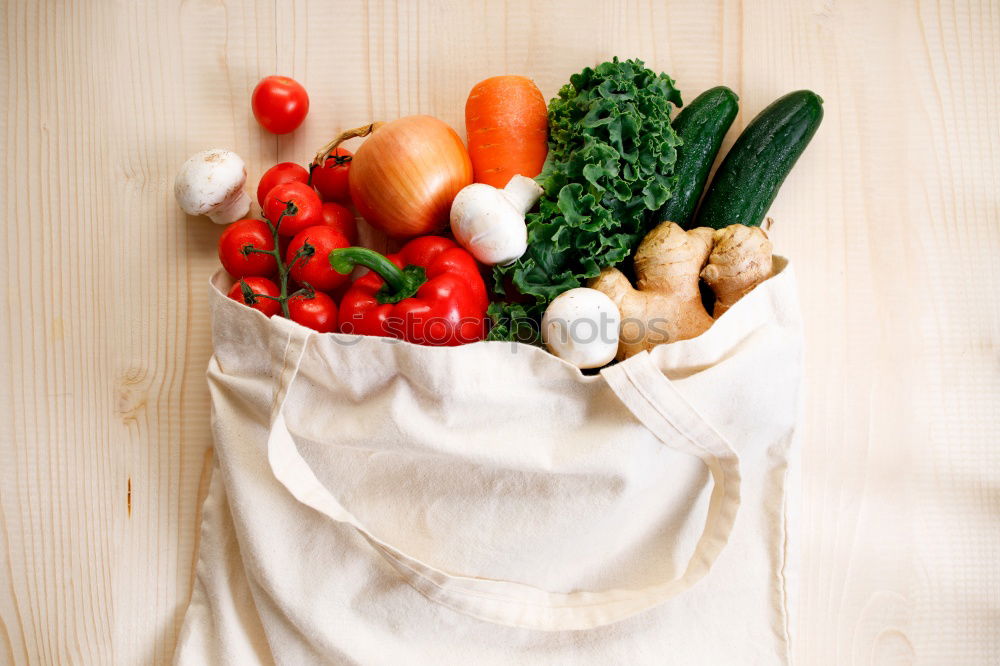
<point>404,177</point>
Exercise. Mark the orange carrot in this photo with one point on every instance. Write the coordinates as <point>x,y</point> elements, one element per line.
<point>508,126</point>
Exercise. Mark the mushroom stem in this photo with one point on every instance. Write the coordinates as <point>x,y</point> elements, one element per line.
<point>522,192</point>
<point>232,210</point>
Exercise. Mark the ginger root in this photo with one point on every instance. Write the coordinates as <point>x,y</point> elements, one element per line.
<point>666,304</point>
<point>740,260</point>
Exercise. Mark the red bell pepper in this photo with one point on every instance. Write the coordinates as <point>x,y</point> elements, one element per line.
<point>429,293</point>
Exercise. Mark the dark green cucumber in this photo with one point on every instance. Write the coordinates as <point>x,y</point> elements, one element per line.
<point>702,125</point>
<point>749,177</point>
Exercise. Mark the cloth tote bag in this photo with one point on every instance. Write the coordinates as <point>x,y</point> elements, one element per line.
<point>376,502</point>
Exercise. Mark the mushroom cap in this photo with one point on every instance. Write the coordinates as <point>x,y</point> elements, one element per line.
<point>485,222</point>
<point>581,326</point>
<point>208,179</point>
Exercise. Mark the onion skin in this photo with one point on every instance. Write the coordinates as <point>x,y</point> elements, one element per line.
<point>405,175</point>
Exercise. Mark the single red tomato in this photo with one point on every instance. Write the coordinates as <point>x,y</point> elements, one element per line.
<point>248,292</point>
<point>285,172</point>
<point>314,269</point>
<point>308,207</point>
<point>236,247</point>
<point>279,103</point>
<point>330,180</point>
<point>318,312</point>
<point>342,219</point>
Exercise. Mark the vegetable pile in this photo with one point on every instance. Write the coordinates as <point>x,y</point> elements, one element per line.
<point>611,155</point>
<point>559,207</point>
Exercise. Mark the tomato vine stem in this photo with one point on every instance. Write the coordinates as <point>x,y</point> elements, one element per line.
<point>284,269</point>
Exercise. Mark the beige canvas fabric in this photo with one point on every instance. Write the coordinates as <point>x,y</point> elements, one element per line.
<point>376,502</point>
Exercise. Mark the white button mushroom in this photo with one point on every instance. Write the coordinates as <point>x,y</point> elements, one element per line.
<point>581,326</point>
<point>211,183</point>
<point>489,223</point>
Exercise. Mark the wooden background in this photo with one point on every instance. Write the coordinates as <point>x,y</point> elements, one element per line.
<point>891,217</point>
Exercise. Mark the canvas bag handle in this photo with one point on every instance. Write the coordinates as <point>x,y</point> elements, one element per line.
<point>653,400</point>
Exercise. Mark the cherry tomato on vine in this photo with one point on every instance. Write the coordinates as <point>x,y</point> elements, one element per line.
<point>315,269</point>
<point>285,172</point>
<point>235,249</point>
<point>330,180</point>
<point>318,312</point>
<point>279,103</point>
<point>257,285</point>
<point>342,219</point>
<point>309,209</point>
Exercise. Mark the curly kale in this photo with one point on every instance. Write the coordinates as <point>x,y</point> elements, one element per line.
<point>611,157</point>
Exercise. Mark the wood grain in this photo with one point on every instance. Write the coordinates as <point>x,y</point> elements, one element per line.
<point>891,216</point>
